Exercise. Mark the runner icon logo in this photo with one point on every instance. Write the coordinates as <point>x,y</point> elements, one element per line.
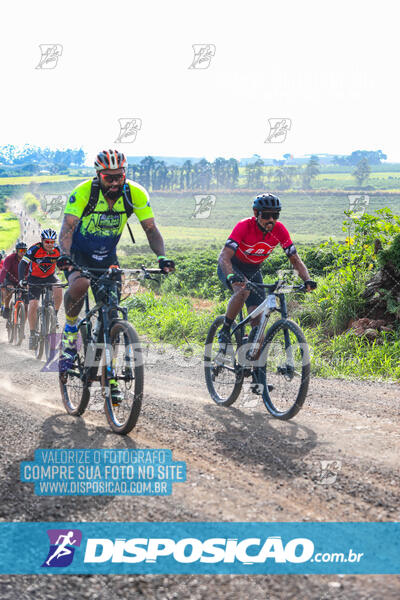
<point>62,547</point>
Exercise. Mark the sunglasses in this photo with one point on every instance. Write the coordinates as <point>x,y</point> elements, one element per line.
<point>269,215</point>
<point>52,242</point>
<point>112,178</point>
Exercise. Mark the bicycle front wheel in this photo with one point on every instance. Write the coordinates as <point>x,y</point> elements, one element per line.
<point>20,325</point>
<point>10,324</point>
<point>284,369</point>
<point>50,332</point>
<point>224,375</point>
<point>127,361</point>
<point>75,384</point>
<point>39,329</point>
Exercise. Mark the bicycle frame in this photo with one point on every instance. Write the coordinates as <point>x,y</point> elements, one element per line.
<point>102,310</point>
<point>20,295</point>
<point>107,305</point>
<point>265,309</point>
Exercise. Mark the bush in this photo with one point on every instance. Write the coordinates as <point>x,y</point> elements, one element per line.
<point>32,204</point>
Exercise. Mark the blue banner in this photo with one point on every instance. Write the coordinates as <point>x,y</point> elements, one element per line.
<point>195,548</point>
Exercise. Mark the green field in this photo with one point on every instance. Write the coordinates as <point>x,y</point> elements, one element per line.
<point>309,218</point>
<point>380,180</point>
<point>9,230</point>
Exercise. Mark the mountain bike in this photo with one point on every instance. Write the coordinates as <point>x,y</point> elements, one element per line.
<point>108,349</point>
<point>277,362</point>
<point>46,321</point>
<point>15,323</point>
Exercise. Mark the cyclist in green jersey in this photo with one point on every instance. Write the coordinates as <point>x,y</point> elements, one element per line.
<point>90,232</point>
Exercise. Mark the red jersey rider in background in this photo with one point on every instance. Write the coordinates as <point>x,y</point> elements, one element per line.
<point>250,243</point>
<point>41,261</point>
<point>9,275</point>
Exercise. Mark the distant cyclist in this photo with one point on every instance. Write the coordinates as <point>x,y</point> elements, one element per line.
<point>40,262</point>
<point>250,243</point>
<point>9,275</point>
<point>94,218</point>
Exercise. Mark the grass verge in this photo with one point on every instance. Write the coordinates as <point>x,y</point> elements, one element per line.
<point>9,230</point>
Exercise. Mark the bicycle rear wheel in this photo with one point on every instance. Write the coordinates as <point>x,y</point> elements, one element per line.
<point>75,384</point>
<point>284,367</point>
<point>224,375</point>
<point>10,324</point>
<point>20,324</point>
<point>128,366</point>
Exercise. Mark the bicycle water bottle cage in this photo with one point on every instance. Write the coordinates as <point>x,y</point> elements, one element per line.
<point>101,293</point>
<point>251,337</point>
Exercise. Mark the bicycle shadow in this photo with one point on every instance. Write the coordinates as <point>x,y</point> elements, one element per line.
<point>18,501</point>
<point>256,438</point>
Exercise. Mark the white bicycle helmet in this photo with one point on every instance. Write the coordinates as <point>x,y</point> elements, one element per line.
<point>110,159</point>
<point>48,234</point>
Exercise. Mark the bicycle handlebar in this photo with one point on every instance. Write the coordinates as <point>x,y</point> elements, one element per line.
<point>278,287</point>
<point>43,285</point>
<point>88,271</point>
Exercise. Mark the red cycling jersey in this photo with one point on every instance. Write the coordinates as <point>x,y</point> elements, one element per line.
<point>42,263</point>
<point>9,271</point>
<point>252,245</point>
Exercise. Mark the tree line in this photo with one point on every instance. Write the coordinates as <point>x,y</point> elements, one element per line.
<point>224,173</point>
<point>155,174</point>
<point>30,160</point>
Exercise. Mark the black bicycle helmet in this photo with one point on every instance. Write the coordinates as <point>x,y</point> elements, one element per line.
<point>267,202</point>
<point>21,246</point>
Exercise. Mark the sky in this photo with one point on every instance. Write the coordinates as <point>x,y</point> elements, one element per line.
<point>328,69</point>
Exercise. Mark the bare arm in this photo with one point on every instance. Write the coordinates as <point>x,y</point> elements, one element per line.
<point>300,267</point>
<point>67,231</point>
<point>154,237</point>
<point>225,260</point>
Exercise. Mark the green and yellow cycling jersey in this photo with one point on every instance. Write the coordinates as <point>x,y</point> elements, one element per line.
<point>98,233</point>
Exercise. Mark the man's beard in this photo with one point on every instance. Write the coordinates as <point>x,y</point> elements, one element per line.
<point>113,195</point>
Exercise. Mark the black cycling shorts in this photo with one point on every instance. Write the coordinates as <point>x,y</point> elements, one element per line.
<point>250,272</point>
<point>35,290</point>
<point>84,260</point>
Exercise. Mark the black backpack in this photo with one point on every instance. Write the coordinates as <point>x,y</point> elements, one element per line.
<point>94,197</point>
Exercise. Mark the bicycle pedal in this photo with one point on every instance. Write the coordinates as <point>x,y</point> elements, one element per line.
<point>257,389</point>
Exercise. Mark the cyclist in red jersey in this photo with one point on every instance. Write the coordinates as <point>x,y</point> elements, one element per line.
<point>250,243</point>
<point>41,260</point>
<point>9,275</point>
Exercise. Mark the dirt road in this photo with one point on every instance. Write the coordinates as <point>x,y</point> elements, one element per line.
<point>338,460</point>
